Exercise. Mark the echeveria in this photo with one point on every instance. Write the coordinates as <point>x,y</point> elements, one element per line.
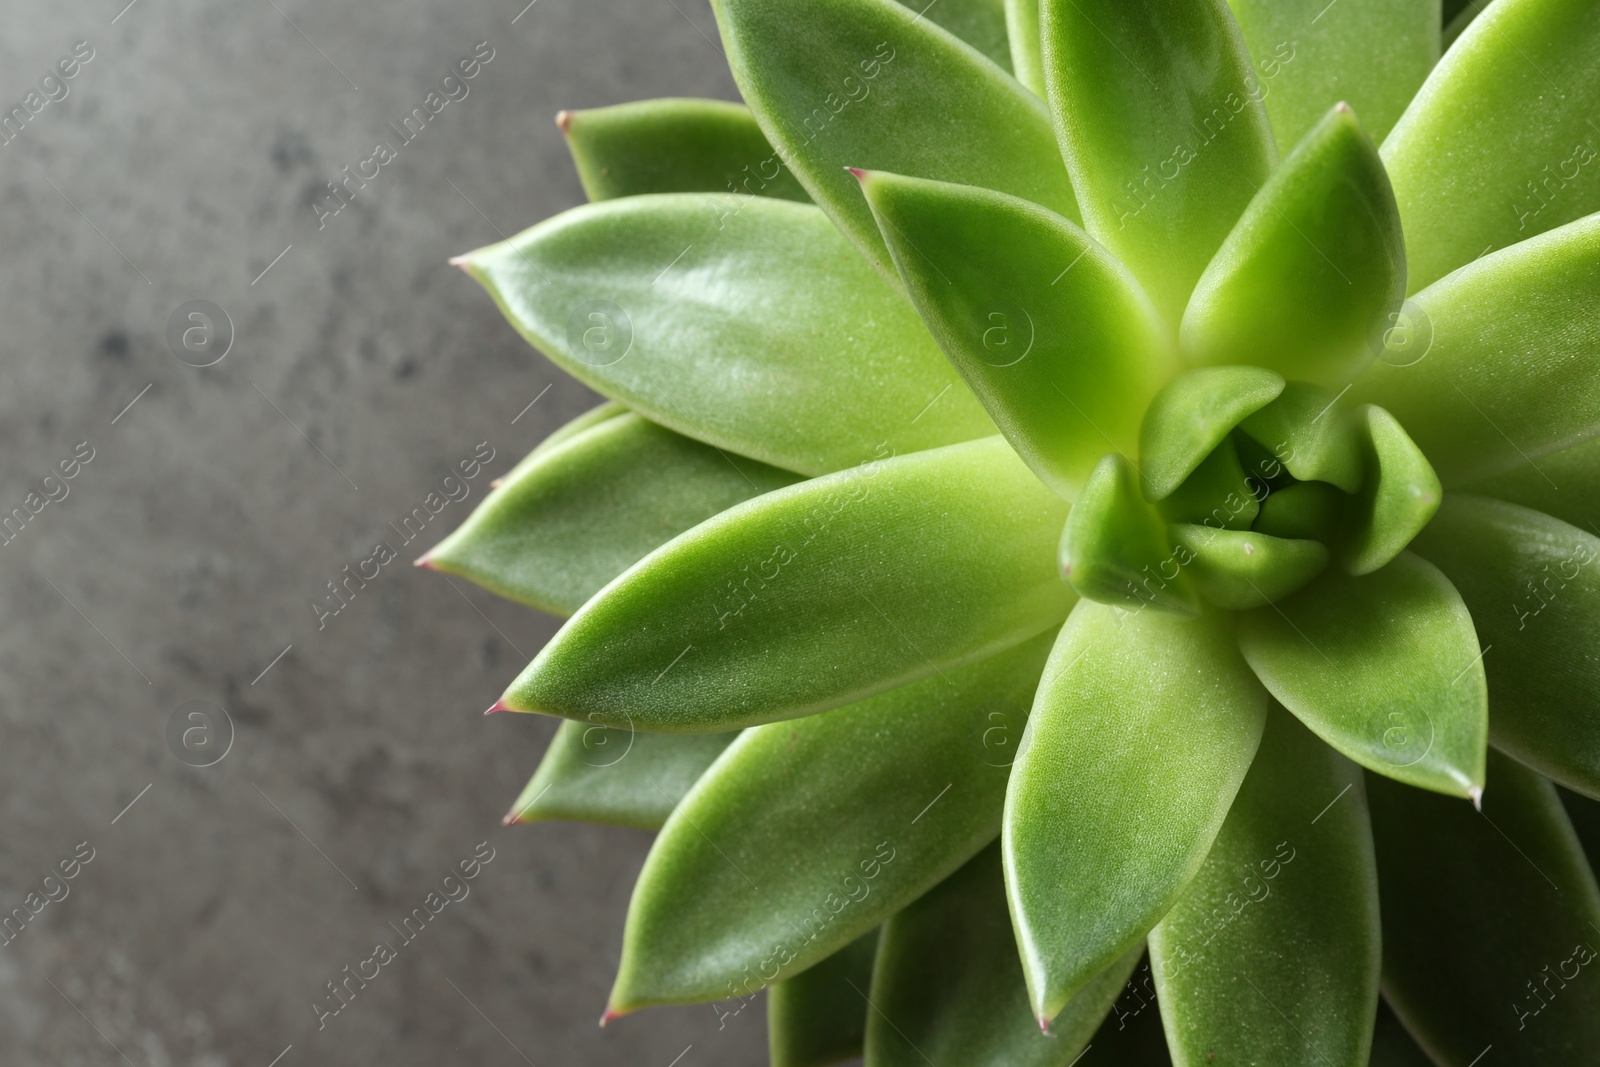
<point>1094,505</point>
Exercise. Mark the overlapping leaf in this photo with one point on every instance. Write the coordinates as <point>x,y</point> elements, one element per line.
<point>1144,726</point>
<point>1053,335</point>
<point>1272,955</point>
<point>819,1016</point>
<point>869,83</point>
<point>805,835</point>
<point>749,326</point>
<point>1386,668</point>
<point>582,512</point>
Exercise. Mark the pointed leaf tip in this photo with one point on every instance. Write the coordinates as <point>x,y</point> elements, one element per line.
<point>425,560</point>
<point>564,121</point>
<point>499,705</point>
<point>860,175</point>
<point>1475,794</point>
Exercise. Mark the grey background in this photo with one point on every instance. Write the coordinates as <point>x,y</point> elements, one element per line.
<point>188,551</point>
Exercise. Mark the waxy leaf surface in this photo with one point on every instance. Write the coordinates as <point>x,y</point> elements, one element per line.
<point>1022,27</point>
<point>947,987</point>
<point>1272,955</point>
<point>1162,128</point>
<point>749,327</point>
<point>1240,569</point>
<point>1303,281</point>
<point>1310,55</point>
<point>980,23</point>
<point>581,513</point>
<point>1218,494</point>
<point>1385,668</point>
<point>819,1016</point>
<point>1498,146</point>
<point>566,432</point>
<point>1489,922</point>
<point>872,84</point>
<point>1308,431</point>
<point>807,834</point>
<point>1143,728</point>
<point>674,146</point>
<point>1399,494</point>
<point>1050,332</point>
<point>1512,370</point>
<point>1533,586</point>
<point>1190,417</point>
<point>814,596</point>
<point>621,777</point>
<point>1114,548</point>
<point>1565,484</point>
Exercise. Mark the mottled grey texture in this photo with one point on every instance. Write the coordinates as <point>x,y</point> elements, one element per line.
<point>195,541</point>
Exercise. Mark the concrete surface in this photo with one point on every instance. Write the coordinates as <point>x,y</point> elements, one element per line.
<point>187,552</point>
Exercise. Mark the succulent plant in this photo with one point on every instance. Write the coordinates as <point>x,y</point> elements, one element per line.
<point>1078,525</point>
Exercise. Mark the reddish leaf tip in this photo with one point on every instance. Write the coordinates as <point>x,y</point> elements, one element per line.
<point>611,1013</point>
<point>1044,1026</point>
<point>458,261</point>
<point>860,175</point>
<point>499,705</point>
<point>425,560</point>
<point>563,121</point>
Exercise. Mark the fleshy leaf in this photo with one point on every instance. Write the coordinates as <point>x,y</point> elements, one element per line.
<point>591,418</point>
<point>947,988</point>
<point>1217,494</point>
<point>819,1017</point>
<point>1308,510</point>
<point>621,777</point>
<point>1565,484</point>
<point>1512,370</point>
<point>1533,586</point>
<point>813,596</point>
<point>674,146</point>
<point>1497,145</point>
<point>1144,726</point>
<point>587,509</point>
<point>1310,55</point>
<point>1399,495</point>
<point>1132,1035</point>
<point>1053,335</point>
<point>980,23</point>
<point>1022,27</point>
<point>750,328</point>
<point>1489,922</point>
<point>1304,280</point>
<point>1114,548</point>
<point>1385,668</point>
<point>1240,569</point>
<point>1191,416</point>
<point>1141,88</point>
<point>1307,431</point>
<point>1272,955</point>
<point>868,83</point>
<point>805,835</point>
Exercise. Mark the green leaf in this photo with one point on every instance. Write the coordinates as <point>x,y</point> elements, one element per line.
<point>674,146</point>
<point>1513,368</point>
<point>1533,586</point>
<point>1485,921</point>
<point>813,597</point>
<point>1399,495</point>
<point>1310,55</point>
<point>1497,145</point>
<point>1114,548</point>
<point>620,777</point>
<point>867,83</point>
<point>1302,283</point>
<point>1191,416</point>
<point>1240,569</point>
<point>1052,334</point>
<point>1143,728</point>
<point>980,23</point>
<point>819,1016</point>
<point>1022,27</point>
<point>1162,128</point>
<point>947,988</point>
<point>591,418</point>
<point>1309,432</point>
<point>1392,1046</point>
<point>1218,494</point>
<point>1458,15</point>
<point>1310,510</point>
<point>807,834</point>
<point>1385,668</point>
<point>1132,1035</point>
<point>1565,484</point>
<point>751,328</point>
<point>1273,953</point>
<point>587,509</point>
